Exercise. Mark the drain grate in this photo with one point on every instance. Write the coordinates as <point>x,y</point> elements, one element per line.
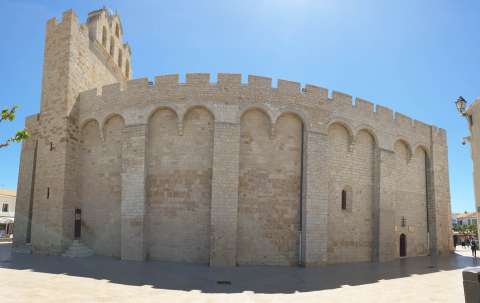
<point>224,282</point>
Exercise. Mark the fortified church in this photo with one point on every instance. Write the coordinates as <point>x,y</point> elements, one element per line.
<point>223,173</point>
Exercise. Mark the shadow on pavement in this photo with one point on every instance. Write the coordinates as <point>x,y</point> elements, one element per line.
<point>258,279</point>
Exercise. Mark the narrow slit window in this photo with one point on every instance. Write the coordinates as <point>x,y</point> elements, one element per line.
<point>104,37</point>
<point>117,31</point>
<point>120,59</point>
<point>48,192</point>
<point>344,199</point>
<point>112,46</point>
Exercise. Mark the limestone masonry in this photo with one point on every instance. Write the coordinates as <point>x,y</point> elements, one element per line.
<point>220,173</point>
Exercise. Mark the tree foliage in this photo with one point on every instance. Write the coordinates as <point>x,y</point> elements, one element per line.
<point>466,229</point>
<point>8,115</point>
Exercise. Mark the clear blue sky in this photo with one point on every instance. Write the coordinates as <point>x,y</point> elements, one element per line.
<point>415,57</point>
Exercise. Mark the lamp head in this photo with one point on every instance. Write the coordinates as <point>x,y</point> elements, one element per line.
<point>461,105</point>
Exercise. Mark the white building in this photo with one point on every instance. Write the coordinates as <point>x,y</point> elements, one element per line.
<point>465,218</point>
<point>7,211</point>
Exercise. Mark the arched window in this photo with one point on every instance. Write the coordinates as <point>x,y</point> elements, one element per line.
<point>104,37</point>
<point>127,68</point>
<point>120,59</point>
<point>112,46</point>
<point>117,31</point>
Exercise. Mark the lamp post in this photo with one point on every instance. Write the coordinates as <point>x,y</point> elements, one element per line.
<point>471,278</point>
<point>461,105</point>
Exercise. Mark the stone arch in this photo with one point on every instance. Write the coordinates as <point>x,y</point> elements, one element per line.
<point>420,220</point>
<point>107,119</point>
<point>178,116</point>
<point>90,150</point>
<point>109,211</point>
<point>162,107</point>
<point>199,106</point>
<point>411,195</point>
<point>179,173</point>
<point>88,121</point>
<point>99,188</point>
<point>265,110</point>
<point>423,147</point>
<point>299,114</point>
<point>339,127</point>
<point>269,190</point>
<point>370,131</point>
<point>350,173</point>
<point>345,125</point>
<point>401,142</point>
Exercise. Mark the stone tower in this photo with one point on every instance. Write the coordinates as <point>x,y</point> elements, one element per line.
<point>77,57</point>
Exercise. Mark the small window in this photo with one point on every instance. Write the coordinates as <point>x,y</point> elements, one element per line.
<point>104,37</point>
<point>344,199</point>
<point>120,59</point>
<point>5,207</point>
<point>117,31</point>
<point>112,46</point>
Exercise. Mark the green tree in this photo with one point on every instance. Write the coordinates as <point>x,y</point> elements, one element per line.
<point>8,114</point>
<point>466,229</point>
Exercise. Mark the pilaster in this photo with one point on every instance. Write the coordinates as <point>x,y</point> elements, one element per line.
<point>25,192</point>
<point>315,206</point>
<point>224,207</point>
<point>386,212</point>
<point>376,206</point>
<point>439,211</point>
<point>133,192</point>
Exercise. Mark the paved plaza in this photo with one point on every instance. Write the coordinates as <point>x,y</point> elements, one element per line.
<point>29,278</point>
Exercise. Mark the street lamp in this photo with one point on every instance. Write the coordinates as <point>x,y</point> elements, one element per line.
<point>461,105</point>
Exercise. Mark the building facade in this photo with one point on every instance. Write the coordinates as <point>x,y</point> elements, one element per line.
<point>222,173</point>
<point>465,218</point>
<point>473,115</point>
<point>7,212</point>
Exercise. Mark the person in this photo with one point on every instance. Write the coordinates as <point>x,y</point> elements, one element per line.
<point>463,243</point>
<point>473,246</point>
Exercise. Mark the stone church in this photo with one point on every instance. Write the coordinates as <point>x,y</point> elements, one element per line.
<point>222,172</point>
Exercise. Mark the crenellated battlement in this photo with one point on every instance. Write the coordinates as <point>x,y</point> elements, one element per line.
<point>128,150</point>
<point>257,89</point>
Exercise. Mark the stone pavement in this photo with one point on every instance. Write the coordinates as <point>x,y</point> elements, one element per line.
<point>27,278</point>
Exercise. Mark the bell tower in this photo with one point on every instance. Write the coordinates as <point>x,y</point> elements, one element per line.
<point>77,57</point>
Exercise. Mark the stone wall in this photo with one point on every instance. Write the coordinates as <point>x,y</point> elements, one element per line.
<point>179,182</point>
<point>223,173</point>
<point>99,182</point>
<point>72,63</point>
<point>410,201</point>
<point>351,170</point>
<point>269,190</point>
